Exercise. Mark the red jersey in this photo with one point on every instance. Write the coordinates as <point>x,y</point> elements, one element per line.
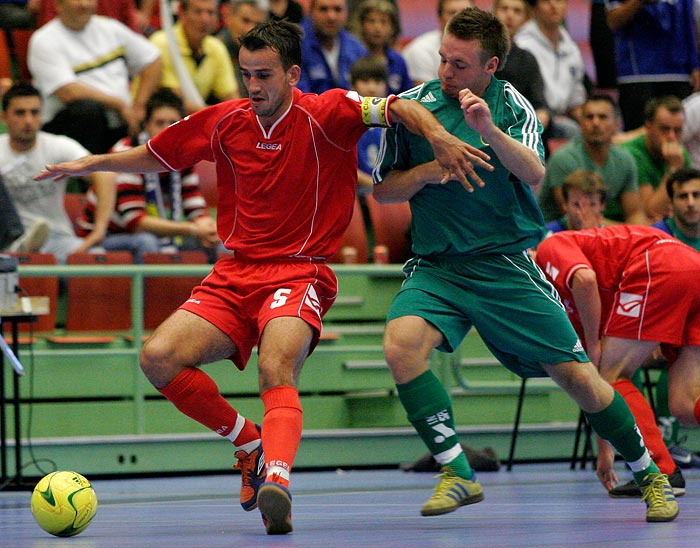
<point>286,191</point>
<point>605,250</point>
<point>615,253</point>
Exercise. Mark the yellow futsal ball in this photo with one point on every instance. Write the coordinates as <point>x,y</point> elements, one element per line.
<point>63,503</point>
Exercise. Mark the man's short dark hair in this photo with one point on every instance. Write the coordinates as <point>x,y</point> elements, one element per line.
<point>603,98</point>
<point>19,89</point>
<point>680,177</point>
<point>164,97</point>
<point>670,102</point>
<point>368,68</point>
<point>486,28</point>
<point>281,36</point>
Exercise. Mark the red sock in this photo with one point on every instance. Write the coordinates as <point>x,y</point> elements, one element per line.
<point>281,431</point>
<point>196,395</point>
<point>646,422</point>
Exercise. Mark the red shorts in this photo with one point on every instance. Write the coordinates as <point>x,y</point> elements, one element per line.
<point>659,297</point>
<point>240,297</point>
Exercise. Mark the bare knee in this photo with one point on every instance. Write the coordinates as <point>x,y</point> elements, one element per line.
<point>158,362</point>
<point>408,342</point>
<point>277,371</point>
<point>583,383</point>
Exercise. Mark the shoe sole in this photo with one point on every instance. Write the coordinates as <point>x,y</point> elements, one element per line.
<point>275,505</point>
<point>473,499</point>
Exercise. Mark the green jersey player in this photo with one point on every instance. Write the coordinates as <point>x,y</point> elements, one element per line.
<point>472,267</point>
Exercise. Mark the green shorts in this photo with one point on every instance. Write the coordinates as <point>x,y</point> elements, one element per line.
<point>516,311</point>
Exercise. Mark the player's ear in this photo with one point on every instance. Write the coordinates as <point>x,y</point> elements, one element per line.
<point>492,65</point>
<point>293,75</point>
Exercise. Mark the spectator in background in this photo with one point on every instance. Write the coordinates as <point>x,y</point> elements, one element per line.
<point>24,151</point>
<point>96,107</point>
<point>155,212</point>
<point>368,76</point>
<point>655,53</point>
<point>239,16</point>
<point>123,11</point>
<point>205,57</point>
<point>286,9</point>
<point>377,23</point>
<point>584,195</point>
<point>658,152</point>
<point>561,65</point>
<point>683,188</point>
<point>691,128</point>
<point>594,151</point>
<point>521,68</point>
<point>328,50</point>
<point>421,53</point>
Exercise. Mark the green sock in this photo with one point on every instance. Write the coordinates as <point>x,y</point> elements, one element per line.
<point>616,424</point>
<point>429,410</point>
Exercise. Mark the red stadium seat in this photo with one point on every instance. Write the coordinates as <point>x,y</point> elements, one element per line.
<point>162,295</point>
<point>355,238</point>
<point>391,223</point>
<point>97,303</point>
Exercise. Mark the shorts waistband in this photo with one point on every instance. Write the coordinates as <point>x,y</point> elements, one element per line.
<point>308,260</point>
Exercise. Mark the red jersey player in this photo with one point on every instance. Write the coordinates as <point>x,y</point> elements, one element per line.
<point>628,288</point>
<point>287,172</point>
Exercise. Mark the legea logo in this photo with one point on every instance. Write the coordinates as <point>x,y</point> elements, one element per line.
<point>268,146</point>
<point>630,305</point>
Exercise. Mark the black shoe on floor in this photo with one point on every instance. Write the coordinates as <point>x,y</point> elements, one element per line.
<point>631,489</point>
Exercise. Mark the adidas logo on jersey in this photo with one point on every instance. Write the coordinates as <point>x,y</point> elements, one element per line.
<point>430,98</point>
<point>578,347</point>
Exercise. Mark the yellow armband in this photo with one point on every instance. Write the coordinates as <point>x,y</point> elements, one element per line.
<point>375,111</point>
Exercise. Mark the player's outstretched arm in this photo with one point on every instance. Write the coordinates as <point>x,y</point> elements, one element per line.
<point>456,158</point>
<point>135,160</point>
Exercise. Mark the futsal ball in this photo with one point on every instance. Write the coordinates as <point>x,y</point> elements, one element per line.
<point>64,503</point>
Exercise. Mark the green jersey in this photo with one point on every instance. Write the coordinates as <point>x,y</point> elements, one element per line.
<point>501,217</point>
<point>651,170</point>
<point>619,173</point>
<point>669,225</point>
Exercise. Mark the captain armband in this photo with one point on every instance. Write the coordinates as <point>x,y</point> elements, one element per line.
<point>375,111</point>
